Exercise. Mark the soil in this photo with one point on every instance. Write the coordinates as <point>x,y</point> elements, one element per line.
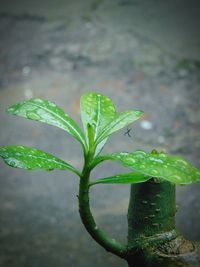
<point>144,55</point>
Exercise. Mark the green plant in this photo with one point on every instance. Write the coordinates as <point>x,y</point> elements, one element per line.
<point>152,237</point>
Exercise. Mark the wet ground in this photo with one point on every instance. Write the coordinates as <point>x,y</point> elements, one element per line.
<point>143,54</point>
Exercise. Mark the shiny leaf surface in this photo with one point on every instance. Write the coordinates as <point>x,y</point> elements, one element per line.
<point>32,159</point>
<point>171,168</point>
<point>45,111</point>
<point>96,110</point>
<point>120,121</point>
<point>100,146</point>
<point>126,178</point>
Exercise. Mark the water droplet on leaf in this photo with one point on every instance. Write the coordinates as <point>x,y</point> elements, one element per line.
<point>162,155</point>
<point>175,178</point>
<point>130,160</point>
<point>182,162</point>
<point>32,115</point>
<point>154,172</point>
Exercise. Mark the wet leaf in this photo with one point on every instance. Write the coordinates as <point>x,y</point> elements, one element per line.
<point>120,121</point>
<point>99,111</point>
<point>100,146</point>
<point>126,178</point>
<point>96,110</point>
<point>47,112</point>
<point>171,168</point>
<point>32,159</point>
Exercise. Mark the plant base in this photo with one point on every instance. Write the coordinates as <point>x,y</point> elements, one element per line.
<point>153,240</point>
<point>177,252</point>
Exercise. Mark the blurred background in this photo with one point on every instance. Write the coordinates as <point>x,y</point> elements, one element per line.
<point>144,55</point>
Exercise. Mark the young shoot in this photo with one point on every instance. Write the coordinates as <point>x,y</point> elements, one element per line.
<point>100,120</point>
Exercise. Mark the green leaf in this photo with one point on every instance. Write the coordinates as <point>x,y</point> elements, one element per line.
<point>31,159</point>
<point>96,110</point>
<point>47,112</point>
<point>99,112</point>
<point>120,121</point>
<point>127,178</point>
<point>171,168</point>
<point>97,160</point>
<point>100,146</point>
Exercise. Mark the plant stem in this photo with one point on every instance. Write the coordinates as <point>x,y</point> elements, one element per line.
<point>152,210</point>
<point>98,235</point>
<point>152,236</point>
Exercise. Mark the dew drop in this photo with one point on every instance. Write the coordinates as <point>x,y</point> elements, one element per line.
<point>139,155</point>
<point>140,152</point>
<point>162,155</point>
<point>181,162</point>
<point>130,160</point>
<point>38,100</point>
<point>124,154</point>
<point>142,166</point>
<point>11,109</point>
<point>144,202</point>
<point>32,116</point>
<point>15,163</point>
<point>155,160</point>
<point>154,172</point>
<point>175,178</point>
<point>155,224</point>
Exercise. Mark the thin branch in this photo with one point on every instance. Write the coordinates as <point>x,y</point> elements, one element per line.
<point>98,235</point>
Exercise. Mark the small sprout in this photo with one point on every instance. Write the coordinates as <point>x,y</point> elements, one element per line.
<point>100,120</point>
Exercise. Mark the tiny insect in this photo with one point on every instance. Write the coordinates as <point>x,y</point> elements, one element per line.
<point>128,132</point>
